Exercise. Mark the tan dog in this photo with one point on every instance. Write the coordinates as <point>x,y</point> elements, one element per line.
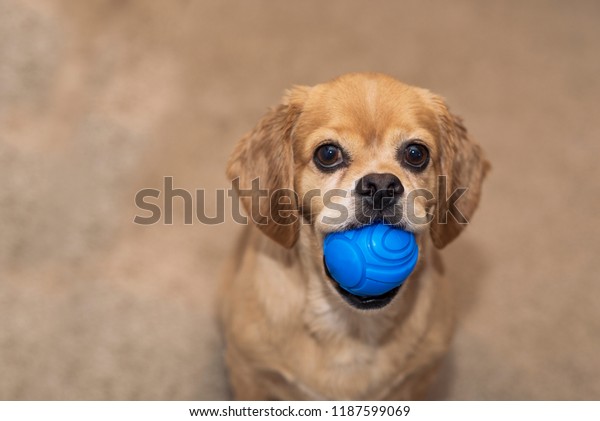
<point>290,332</point>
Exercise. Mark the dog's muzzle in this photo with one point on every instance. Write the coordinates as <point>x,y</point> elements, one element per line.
<point>376,198</point>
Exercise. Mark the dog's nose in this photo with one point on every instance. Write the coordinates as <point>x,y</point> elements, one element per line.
<point>381,190</point>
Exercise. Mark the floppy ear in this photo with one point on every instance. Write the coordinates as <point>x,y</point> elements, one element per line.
<point>263,159</point>
<point>464,167</point>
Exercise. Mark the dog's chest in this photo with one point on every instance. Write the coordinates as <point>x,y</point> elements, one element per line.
<point>347,370</point>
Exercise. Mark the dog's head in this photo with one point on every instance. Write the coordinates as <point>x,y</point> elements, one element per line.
<point>360,149</point>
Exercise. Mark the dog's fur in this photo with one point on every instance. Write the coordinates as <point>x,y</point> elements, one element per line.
<point>289,333</point>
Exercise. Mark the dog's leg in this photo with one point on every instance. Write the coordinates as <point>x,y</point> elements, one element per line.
<point>245,382</point>
<point>246,388</point>
<point>416,386</point>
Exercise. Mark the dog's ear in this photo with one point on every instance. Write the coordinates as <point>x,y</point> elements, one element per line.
<point>464,167</point>
<point>262,170</point>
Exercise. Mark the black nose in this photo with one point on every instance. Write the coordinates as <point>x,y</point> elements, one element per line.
<point>381,190</point>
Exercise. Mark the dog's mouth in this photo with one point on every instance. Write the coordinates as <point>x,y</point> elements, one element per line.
<point>356,223</point>
<point>362,303</point>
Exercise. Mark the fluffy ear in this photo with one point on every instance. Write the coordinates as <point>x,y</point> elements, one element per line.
<point>262,170</point>
<point>464,167</point>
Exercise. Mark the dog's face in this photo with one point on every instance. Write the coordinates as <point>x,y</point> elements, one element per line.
<point>360,149</point>
<point>366,151</point>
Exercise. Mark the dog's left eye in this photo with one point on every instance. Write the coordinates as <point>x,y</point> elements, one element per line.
<point>416,155</point>
<point>328,157</point>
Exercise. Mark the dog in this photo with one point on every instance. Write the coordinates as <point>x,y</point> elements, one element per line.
<point>290,332</point>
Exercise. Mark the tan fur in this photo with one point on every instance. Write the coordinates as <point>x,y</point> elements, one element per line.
<point>289,335</point>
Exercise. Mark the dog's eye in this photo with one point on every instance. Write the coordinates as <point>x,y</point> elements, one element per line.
<point>328,157</point>
<point>416,155</point>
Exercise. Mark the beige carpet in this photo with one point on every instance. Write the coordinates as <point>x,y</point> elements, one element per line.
<point>101,99</point>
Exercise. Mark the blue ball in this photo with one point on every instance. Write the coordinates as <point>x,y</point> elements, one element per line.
<point>371,260</point>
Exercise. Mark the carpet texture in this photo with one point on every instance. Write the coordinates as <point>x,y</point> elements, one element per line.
<point>100,99</point>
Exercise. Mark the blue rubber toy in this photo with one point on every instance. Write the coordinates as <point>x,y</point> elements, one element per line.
<point>371,260</point>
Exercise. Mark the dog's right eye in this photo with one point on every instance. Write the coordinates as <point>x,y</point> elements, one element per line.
<point>328,157</point>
